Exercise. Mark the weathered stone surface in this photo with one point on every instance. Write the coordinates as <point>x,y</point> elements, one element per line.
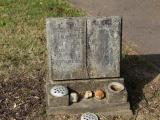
<point>103,47</point>
<point>67,39</point>
<point>66,48</point>
<point>81,86</point>
<point>119,97</point>
<point>56,101</point>
<point>113,102</point>
<point>86,85</point>
<point>91,107</point>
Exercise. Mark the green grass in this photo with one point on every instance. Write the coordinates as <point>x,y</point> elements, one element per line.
<point>22,32</point>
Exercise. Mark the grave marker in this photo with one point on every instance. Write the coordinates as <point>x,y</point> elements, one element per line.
<point>84,55</point>
<point>67,48</point>
<point>103,50</point>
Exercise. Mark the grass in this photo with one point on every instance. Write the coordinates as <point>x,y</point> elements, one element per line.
<point>22,31</point>
<point>23,54</point>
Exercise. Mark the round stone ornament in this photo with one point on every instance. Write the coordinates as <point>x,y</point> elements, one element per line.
<point>89,116</point>
<point>88,94</point>
<point>99,94</point>
<point>59,91</point>
<point>116,87</point>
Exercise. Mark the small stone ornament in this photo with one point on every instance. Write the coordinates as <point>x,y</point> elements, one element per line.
<point>116,87</point>
<point>59,91</point>
<point>89,116</point>
<point>88,94</point>
<point>99,94</point>
<point>73,97</point>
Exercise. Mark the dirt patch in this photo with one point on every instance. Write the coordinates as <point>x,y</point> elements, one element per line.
<point>22,97</point>
<point>143,84</point>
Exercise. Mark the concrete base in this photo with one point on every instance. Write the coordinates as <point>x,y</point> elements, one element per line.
<point>109,109</point>
<point>113,103</point>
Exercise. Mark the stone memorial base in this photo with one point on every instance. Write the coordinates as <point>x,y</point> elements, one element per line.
<point>114,103</point>
<point>84,56</point>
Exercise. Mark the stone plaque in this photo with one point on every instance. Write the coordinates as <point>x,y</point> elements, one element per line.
<point>103,47</point>
<point>67,48</point>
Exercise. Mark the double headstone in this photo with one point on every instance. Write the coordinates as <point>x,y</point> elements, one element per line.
<point>84,54</point>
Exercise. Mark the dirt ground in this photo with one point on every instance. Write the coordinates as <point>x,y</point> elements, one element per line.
<point>143,83</point>
<point>22,97</point>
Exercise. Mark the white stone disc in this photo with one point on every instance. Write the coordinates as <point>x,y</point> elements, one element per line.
<point>59,91</point>
<point>89,116</point>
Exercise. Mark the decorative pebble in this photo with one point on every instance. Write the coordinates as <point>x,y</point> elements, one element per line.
<point>99,94</point>
<point>89,116</point>
<point>73,97</point>
<point>88,94</point>
<point>59,91</point>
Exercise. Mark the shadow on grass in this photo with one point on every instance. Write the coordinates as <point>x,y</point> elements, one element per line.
<point>138,71</point>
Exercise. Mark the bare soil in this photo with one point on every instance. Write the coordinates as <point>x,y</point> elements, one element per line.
<point>23,97</point>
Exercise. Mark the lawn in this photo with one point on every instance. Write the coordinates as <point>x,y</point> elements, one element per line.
<point>23,64</point>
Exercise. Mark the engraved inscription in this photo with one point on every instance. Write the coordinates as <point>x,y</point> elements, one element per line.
<point>66,51</point>
<point>67,48</point>
<point>103,57</point>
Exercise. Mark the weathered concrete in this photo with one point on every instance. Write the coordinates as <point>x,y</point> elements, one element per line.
<point>67,48</point>
<point>120,97</point>
<point>141,20</point>
<point>113,102</point>
<point>94,107</point>
<point>87,84</point>
<point>82,48</point>
<point>103,50</point>
<point>58,101</point>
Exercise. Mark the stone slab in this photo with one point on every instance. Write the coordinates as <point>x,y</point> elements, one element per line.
<point>103,46</point>
<point>75,109</point>
<point>57,101</point>
<point>116,97</point>
<point>83,47</point>
<point>66,39</point>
